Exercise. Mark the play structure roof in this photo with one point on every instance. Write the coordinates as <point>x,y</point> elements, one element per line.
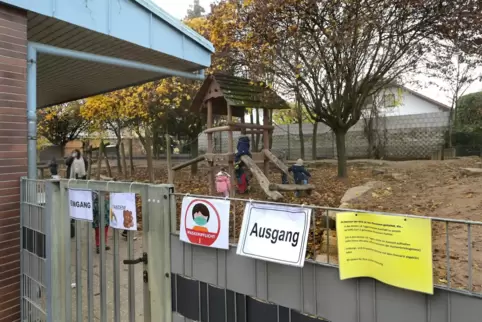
<point>239,93</point>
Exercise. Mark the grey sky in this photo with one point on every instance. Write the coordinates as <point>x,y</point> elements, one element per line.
<point>178,8</point>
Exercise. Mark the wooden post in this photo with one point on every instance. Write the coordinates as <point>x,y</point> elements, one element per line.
<point>170,172</point>
<point>209,124</point>
<point>266,139</point>
<point>243,130</point>
<point>231,150</point>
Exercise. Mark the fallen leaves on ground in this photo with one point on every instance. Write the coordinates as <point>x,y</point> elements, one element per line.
<point>429,188</point>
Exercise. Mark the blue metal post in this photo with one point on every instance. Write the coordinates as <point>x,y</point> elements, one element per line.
<point>32,112</point>
<point>162,71</point>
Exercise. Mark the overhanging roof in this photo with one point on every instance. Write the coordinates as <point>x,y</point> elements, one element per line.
<point>129,29</point>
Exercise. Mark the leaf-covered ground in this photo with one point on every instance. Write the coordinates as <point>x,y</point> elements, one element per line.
<point>425,188</point>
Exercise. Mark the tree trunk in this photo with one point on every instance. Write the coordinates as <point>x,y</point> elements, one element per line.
<point>256,145</point>
<point>302,138</point>
<point>314,155</point>
<point>107,164</point>
<point>99,159</point>
<point>118,157</point>
<point>271,131</point>
<point>451,125</point>
<point>148,147</point>
<point>341,152</point>
<point>251,117</point>
<point>89,163</point>
<point>131,157</point>
<point>194,154</point>
<point>123,156</point>
<point>155,144</point>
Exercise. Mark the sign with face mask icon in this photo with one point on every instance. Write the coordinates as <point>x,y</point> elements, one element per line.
<point>205,222</point>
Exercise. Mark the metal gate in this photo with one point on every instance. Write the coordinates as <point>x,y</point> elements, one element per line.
<point>63,278</point>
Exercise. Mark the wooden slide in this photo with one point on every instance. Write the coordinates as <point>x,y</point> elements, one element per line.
<point>284,168</point>
<point>261,177</point>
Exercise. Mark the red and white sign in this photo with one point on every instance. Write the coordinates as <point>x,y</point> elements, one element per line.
<point>205,222</point>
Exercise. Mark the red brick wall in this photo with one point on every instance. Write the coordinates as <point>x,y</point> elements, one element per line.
<point>13,153</point>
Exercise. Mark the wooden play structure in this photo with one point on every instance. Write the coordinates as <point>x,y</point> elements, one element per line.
<point>223,95</point>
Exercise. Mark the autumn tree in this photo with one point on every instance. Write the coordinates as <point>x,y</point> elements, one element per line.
<point>61,124</point>
<point>453,62</point>
<point>338,53</point>
<point>463,27</point>
<point>110,112</point>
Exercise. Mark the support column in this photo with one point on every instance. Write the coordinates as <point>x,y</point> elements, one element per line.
<point>32,111</point>
<point>231,150</point>
<point>13,153</point>
<point>209,124</point>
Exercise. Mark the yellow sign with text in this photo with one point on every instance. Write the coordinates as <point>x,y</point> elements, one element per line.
<point>392,249</point>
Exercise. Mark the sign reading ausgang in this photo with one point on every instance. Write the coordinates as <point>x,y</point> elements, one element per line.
<point>80,204</point>
<point>275,233</point>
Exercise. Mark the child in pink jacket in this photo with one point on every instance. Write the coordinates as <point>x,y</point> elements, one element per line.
<point>223,183</point>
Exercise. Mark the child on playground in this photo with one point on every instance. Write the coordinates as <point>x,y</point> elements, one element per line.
<point>300,174</point>
<point>96,221</point>
<point>223,182</point>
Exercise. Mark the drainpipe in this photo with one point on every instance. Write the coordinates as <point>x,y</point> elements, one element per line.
<point>32,112</point>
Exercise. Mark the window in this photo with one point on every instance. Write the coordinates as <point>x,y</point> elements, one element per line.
<point>389,100</point>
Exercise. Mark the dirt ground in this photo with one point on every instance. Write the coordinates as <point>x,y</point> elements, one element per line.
<point>424,188</point>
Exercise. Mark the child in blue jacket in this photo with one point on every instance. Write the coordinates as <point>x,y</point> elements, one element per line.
<point>300,174</point>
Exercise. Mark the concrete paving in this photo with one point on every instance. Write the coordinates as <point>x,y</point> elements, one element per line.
<point>125,306</point>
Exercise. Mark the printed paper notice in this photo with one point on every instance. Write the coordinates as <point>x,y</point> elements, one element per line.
<point>275,233</point>
<point>392,249</point>
<point>80,204</point>
<point>205,222</point>
<point>122,213</point>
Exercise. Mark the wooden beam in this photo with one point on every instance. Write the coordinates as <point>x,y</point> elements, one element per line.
<point>253,132</point>
<point>219,157</point>
<point>231,151</point>
<point>290,187</point>
<point>258,156</point>
<point>218,129</point>
<point>210,145</point>
<point>283,167</point>
<point>188,163</point>
<point>261,177</point>
<point>250,126</point>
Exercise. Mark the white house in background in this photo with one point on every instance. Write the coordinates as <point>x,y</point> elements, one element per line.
<point>399,100</point>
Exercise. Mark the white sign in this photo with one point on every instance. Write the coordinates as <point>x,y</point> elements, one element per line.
<point>275,233</point>
<point>81,205</point>
<point>205,222</point>
<point>122,211</point>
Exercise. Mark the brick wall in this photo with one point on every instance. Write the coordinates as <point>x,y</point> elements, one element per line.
<point>13,153</point>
